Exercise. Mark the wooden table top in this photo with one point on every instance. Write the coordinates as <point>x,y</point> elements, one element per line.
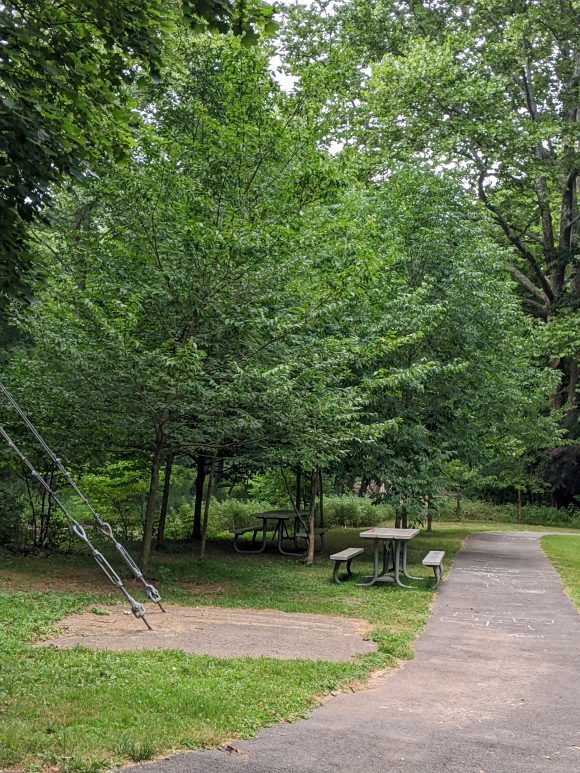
<point>276,515</point>
<point>380,533</point>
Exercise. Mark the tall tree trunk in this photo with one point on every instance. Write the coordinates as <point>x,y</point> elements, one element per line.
<point>298,495</point>
<point>429,510</point>
<point>398,517</point>
<point>160,541</point>
<point>573,384</point>
<point>150,509</point>
<point>458,506</point>
<point>207,504</point>
<point>321,498</point>
<point>520,508</point>
<point>199,486</point>
<point>404,517</point>
<point>364,484</point>
<point>311,517</point>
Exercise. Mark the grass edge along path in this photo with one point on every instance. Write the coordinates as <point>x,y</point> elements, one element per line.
<point>564,554</point>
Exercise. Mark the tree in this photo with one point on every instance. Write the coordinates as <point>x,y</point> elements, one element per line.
<point>68,72</point>
<point>181,317</point>
<point>485,91</point>
<point>449,355</point>
<point>493,88</point>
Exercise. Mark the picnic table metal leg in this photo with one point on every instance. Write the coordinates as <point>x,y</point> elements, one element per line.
<point>438,572</point>
<point>375,566</point>
<point>410,576</point>
<point>386,550</point>
<point>255,552</point>
<point>335,572</point>
<point>398,566</point>
<point>388,557</point>
<point>280,529</point>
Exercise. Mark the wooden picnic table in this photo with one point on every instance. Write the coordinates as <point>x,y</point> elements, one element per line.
<point>285,527</point>
<point>394,543</point>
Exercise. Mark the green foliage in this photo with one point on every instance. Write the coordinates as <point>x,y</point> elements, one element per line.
<point>353,511</point>
<point>474,511</point>
<point>223,517</point>
<point>275,486</point>
<point>118,492</point>
<point>12,512</point>
<point>69,78</point>
<point>235,292</point>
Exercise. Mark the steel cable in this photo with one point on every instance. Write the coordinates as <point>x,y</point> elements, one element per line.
<point>105,528</point>
<point>79,531</point>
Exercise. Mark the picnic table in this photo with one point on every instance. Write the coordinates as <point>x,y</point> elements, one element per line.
<point>285,526</point>
<point>394,543</point>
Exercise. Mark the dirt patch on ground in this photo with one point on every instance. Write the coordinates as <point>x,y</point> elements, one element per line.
<point>80,579</point>
<point>205,588</point>
<point>60,579</point>
<point>226,633</point>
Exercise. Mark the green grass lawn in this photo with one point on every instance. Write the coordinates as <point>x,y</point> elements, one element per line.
<point>564,553</point>
<point>81,710</point>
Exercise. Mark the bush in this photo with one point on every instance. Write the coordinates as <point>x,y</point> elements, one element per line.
<point>350,510</point>
<point>223,516</point>
<point>532,515</point>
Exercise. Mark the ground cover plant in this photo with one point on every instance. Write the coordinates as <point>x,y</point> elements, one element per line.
<point>564,553</point>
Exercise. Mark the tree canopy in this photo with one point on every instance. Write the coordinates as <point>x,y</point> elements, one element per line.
<point>352,274</point>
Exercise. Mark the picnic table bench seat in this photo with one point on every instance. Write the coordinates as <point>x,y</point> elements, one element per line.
<point>246,530</point>
<point>345,555</point>
<point>434,558</point>
<point>317,533</point>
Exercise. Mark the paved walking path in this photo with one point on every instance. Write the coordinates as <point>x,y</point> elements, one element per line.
<point>494,686</point>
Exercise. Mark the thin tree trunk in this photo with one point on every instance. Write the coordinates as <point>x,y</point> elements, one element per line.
<point>458,506</point>
<point>298,495</point>
<point>398,517</point>
<point>207,504</point>
<point>321,498</point>
<point>364,484</point>
<point>199,486</point>
<point>404,517</point>
<point>150,509</point>
<point>311,517</point>
<point>573,384</point>
<point>160,541</point>
<point>429,514</point>
<point>520,508</point>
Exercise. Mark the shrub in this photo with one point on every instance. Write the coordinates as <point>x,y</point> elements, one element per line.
<point>533,515</point>
<point>223,516</point>
<point>350,510</point>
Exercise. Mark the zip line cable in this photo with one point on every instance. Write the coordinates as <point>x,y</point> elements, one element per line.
<point>105,528</point>
<point>137,608</point>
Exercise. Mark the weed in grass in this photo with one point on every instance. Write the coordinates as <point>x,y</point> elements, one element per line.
<point>79,765</point>
<point>137,750</point>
